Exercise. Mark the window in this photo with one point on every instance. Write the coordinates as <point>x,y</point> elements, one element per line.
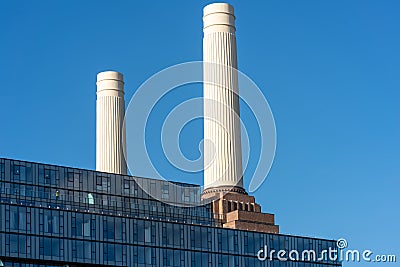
<point>106,184</point>
<point>144,231</point>
<point>16,169</point>
<point>145,255</point>
<point>27,172</point>
<point>134,190</point>
<point>172,258</point>
<point>19,173</point>
<point>165,191</point>
<point>186,195</point>
<point>119,257</point>
<point>17,218</point>
<point>47,176</point>
<point>1,168</point>
<point>14,189</point>
<point>168,257</point>
<point>14,244</point>
<point>77,225</point>
<point>109,252</point>
<point>147,234</point>
<point>79,249</point>
<point>168,234</point>
<point>46,245</point>
<point>89,199</point>
<point>73,178</point>
<point>51,222</point>
<point>177,258</point>
<point>225,241</point>
<point>109,228</point>
<point>126,187</point>
<point>193,195</point>
<point>232,239</point>
<point>70,177</point>
<point>87,246</point>
<point>98,182</point>
<point>105,200</point>
<point>3,188</point>
<point>77,180</point>
<point>103,184</point>
<point>86,225</point>
<point>55,247</point>
<point>119,229</point>
<point>199,237</point>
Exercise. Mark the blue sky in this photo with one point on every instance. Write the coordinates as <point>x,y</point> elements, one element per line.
<point>329,69</point>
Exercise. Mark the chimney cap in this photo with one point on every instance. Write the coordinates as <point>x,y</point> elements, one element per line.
<point>219,17</point>
<point>110,75</point>
<point>218,8</point>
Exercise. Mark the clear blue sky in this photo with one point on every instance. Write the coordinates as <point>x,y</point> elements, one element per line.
<point>329,69</point>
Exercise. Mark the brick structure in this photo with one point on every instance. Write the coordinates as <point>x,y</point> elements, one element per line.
<point>238,210</point>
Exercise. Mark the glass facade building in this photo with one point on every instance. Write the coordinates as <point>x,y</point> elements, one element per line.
<point>60,216</point>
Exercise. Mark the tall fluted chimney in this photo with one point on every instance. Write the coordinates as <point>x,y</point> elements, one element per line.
<point>110,112</point>
<point>223,181</point>
<point>222,153</point>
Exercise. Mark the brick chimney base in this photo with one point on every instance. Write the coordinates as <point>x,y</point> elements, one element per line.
<point>240,211</point>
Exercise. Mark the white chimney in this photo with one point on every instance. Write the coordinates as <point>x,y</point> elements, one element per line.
<point>222,146</point>
<point>110,131</point>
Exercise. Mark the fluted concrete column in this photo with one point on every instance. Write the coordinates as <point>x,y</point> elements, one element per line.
<point>110,112</point>
<point>222,146</point>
